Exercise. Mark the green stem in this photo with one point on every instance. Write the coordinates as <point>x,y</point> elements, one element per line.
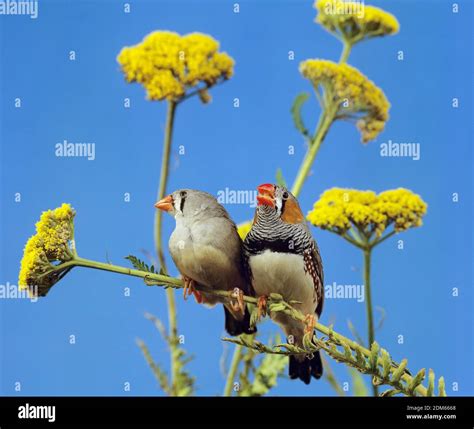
<point>345,52</point>
<point>81,262</point>
<point>165,163</point>
<point>348,238</point>
<point>368,302</point>
<point>325,123</point>
<point>233,370</point>
<point>377,242</point>
<point>172,313</point>
<point>357,235</point>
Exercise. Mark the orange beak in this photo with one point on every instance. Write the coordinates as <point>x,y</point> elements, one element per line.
<point>166,204</point>
<point>266,195</point>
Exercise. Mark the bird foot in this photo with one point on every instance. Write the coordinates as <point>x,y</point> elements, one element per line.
<point>309,324</point>
<point>261,306</point>
<point>189,289</point>
<point>237,300</point>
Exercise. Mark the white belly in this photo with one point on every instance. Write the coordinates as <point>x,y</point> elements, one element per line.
<point>283,273</point>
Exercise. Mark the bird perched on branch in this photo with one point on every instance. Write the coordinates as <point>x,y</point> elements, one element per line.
<point>207,250</point>
<point>284,259</point>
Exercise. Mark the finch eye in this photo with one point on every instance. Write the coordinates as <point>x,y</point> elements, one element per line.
<point>285,195</point>
<point>182,194</point>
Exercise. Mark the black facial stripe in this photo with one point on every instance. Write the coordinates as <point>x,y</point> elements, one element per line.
<point>181,204</point>
<point>283,202</point>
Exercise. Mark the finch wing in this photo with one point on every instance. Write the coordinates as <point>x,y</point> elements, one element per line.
<point>314,266</point>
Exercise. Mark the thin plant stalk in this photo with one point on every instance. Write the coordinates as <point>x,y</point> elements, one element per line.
<point>88,263</point>
<point>165,162</point>
<point>312,152</point>
<point>345,52</point>
<point>234,366</point>
<point>172,313</point>
<point>368,303</point>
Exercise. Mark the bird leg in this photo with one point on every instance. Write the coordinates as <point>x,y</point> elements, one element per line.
<point>309,324</point>
<point>190,290</point>
<point>238,305</point>
<point>188,287</point>
<point>261,306</point>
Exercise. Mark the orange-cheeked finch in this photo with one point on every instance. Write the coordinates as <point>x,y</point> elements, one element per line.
<point>207,250</point>
<point>284,259</point>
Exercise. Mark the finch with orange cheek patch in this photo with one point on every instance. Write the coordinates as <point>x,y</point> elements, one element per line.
<point>284,259</point>
<point>207,250</point>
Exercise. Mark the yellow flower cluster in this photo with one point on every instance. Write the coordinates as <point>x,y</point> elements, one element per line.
<point>48,246</point>
<point>339,209</point>
<point>168,64</point>
<point>354,94</point>
<point>354,21</point>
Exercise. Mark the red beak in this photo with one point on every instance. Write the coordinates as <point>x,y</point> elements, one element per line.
<point>166,204</point>
<point>266,194</point>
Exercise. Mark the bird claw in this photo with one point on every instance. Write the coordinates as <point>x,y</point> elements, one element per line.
<point>261,306</point>
<point>189,289</point>
<point>310,323</point>
<point>238,305</point>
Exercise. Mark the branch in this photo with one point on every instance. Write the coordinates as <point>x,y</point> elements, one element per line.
<point>233,371</point>
<point>375,361</point>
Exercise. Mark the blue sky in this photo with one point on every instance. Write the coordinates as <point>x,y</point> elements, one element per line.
<point>238,148</point>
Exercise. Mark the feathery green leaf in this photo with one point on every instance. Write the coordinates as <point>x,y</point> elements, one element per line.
<point>397,374</point>
<point>140,265</point>
<point>296,114</point>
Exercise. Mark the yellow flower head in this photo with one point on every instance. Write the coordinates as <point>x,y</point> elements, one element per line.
<point>356,96</point>
<point>339,209</point>
<point>168,64</point>
<point>48,247</point>
<point>354,21</point>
